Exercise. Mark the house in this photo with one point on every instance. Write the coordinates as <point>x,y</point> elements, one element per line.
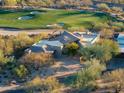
<point>120,40</point>
<point>87,38</point>
<point>56,42</point>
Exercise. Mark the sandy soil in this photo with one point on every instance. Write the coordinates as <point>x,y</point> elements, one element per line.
<point>62,68</point>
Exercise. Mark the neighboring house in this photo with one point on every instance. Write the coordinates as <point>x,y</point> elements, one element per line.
<point>120,40</point>
<point>56,42</point>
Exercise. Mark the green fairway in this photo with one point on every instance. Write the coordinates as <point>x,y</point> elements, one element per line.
<point>71,18</point>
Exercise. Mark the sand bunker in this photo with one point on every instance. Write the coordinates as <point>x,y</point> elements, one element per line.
<point>25,17</point>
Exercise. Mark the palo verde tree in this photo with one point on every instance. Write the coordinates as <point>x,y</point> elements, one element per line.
<point>86,77</point>
<point>103,51</point>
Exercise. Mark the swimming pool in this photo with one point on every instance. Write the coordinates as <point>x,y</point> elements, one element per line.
<point>120,41</point>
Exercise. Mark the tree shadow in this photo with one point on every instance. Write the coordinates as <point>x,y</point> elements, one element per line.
<point>3,11</point>
<point>115,63</point>
<point>75,13</point>
<point>8,11</point>
<point>105,16</point>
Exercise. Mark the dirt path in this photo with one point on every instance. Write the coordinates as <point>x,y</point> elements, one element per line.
<point>9,31</point>
<point>64,67</point>
<point>7,88</point>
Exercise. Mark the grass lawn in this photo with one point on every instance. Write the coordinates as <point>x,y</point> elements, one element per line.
<point>71,18</point>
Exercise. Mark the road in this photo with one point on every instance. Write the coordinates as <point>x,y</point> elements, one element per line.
<point>9,31</point>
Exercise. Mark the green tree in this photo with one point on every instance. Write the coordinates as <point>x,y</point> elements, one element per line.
<point>72,48</point>
<point>48,85</point>
<point>21,71</point>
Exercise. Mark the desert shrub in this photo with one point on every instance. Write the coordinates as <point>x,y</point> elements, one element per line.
<point>107,33</point>
<point>95,51</point>
<point>20,71</point>
<point>103,6</point>
<point>10,3</point>
<point>117,77</point>
<point>73,29</point>
<point>100,26</point>
<point>118,26</point>
<point>37,60</point>
<point>3,59</point>
<point>117,9</point>
<point>87,76</point>
<point>15,45</point>
<point>110,45</point>
<point>48,85</point>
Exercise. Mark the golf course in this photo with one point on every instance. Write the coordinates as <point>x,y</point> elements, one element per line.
<point>35,19</point>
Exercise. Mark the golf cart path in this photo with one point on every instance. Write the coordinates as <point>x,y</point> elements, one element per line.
<point>10,31</point>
